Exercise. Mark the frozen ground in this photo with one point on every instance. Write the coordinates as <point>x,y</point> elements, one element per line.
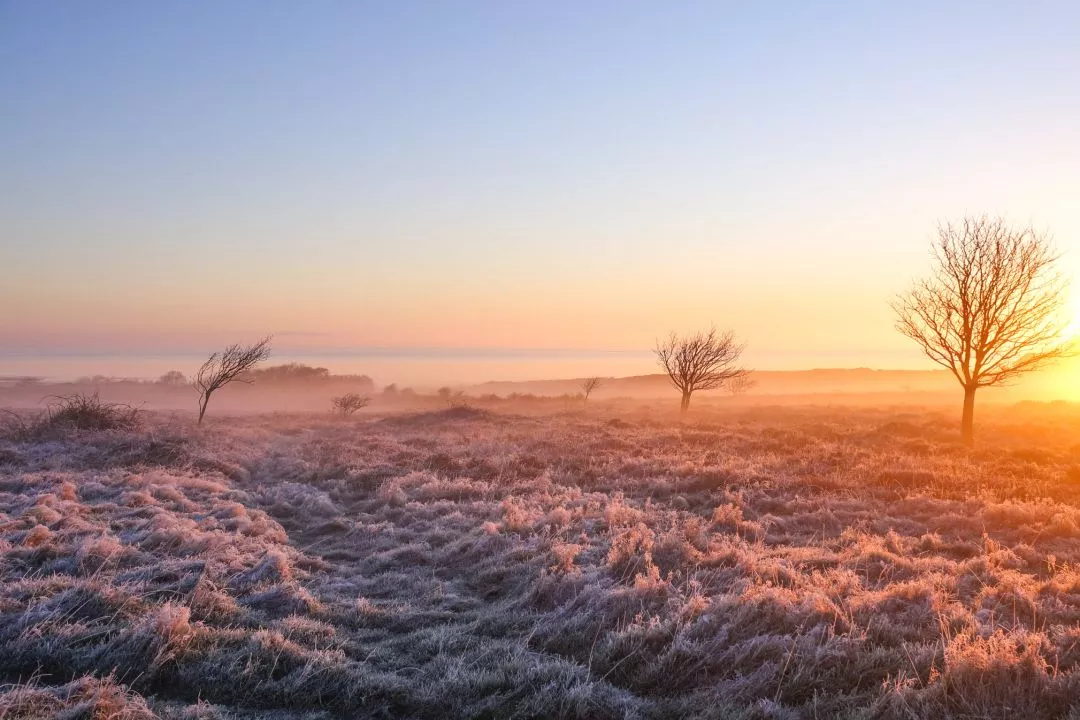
<point>759,563</point>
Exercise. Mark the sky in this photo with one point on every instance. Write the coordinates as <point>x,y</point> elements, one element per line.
<point>527,175</point>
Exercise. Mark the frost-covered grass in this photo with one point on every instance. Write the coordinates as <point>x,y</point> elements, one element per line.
<point>760,563</point>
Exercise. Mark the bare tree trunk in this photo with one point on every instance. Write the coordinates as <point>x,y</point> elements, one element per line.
<point>202,407</point>
<point>685,405</point>
<point>967,421</point>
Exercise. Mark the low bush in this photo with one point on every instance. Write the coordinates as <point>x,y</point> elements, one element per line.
<point>68,413</point>
<point>349,403</point>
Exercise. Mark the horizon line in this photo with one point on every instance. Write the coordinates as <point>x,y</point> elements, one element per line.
<point>384,351</point>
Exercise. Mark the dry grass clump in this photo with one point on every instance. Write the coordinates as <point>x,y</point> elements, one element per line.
<point>87,697</point>
<point>71,413</point>
<point>783,563</point>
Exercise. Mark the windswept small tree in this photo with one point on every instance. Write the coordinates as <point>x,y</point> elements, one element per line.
<point>221,368</point>
<point>701,361</point>
<point>590,384</point>
<point>991,310</point>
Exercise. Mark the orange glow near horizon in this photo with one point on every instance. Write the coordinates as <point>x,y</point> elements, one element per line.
<point>524,194</point>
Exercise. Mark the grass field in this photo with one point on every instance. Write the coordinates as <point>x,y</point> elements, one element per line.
<point>751,563</point>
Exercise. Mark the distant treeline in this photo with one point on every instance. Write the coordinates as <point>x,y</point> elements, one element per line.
<point>285,374</point>
<point>298,373</point>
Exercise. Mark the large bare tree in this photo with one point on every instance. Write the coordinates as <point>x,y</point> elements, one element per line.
<point>991,310</point>
<point>221,368</point>
<point>701,361</point>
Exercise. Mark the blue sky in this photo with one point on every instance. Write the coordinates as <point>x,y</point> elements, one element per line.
<point>586,175</point>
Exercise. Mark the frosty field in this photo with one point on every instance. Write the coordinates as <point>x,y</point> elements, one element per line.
<point>610,563</point>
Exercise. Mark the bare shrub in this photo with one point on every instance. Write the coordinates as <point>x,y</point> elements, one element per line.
<point>221,368</point>
<point>349,403</point>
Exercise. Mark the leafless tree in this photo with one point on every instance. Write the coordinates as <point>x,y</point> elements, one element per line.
<point>349,403</point>
<point>992,308</point>
<point>590,384</point>
<point>221,368</point>
<point>739,385</point>
<point>701,361</point>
